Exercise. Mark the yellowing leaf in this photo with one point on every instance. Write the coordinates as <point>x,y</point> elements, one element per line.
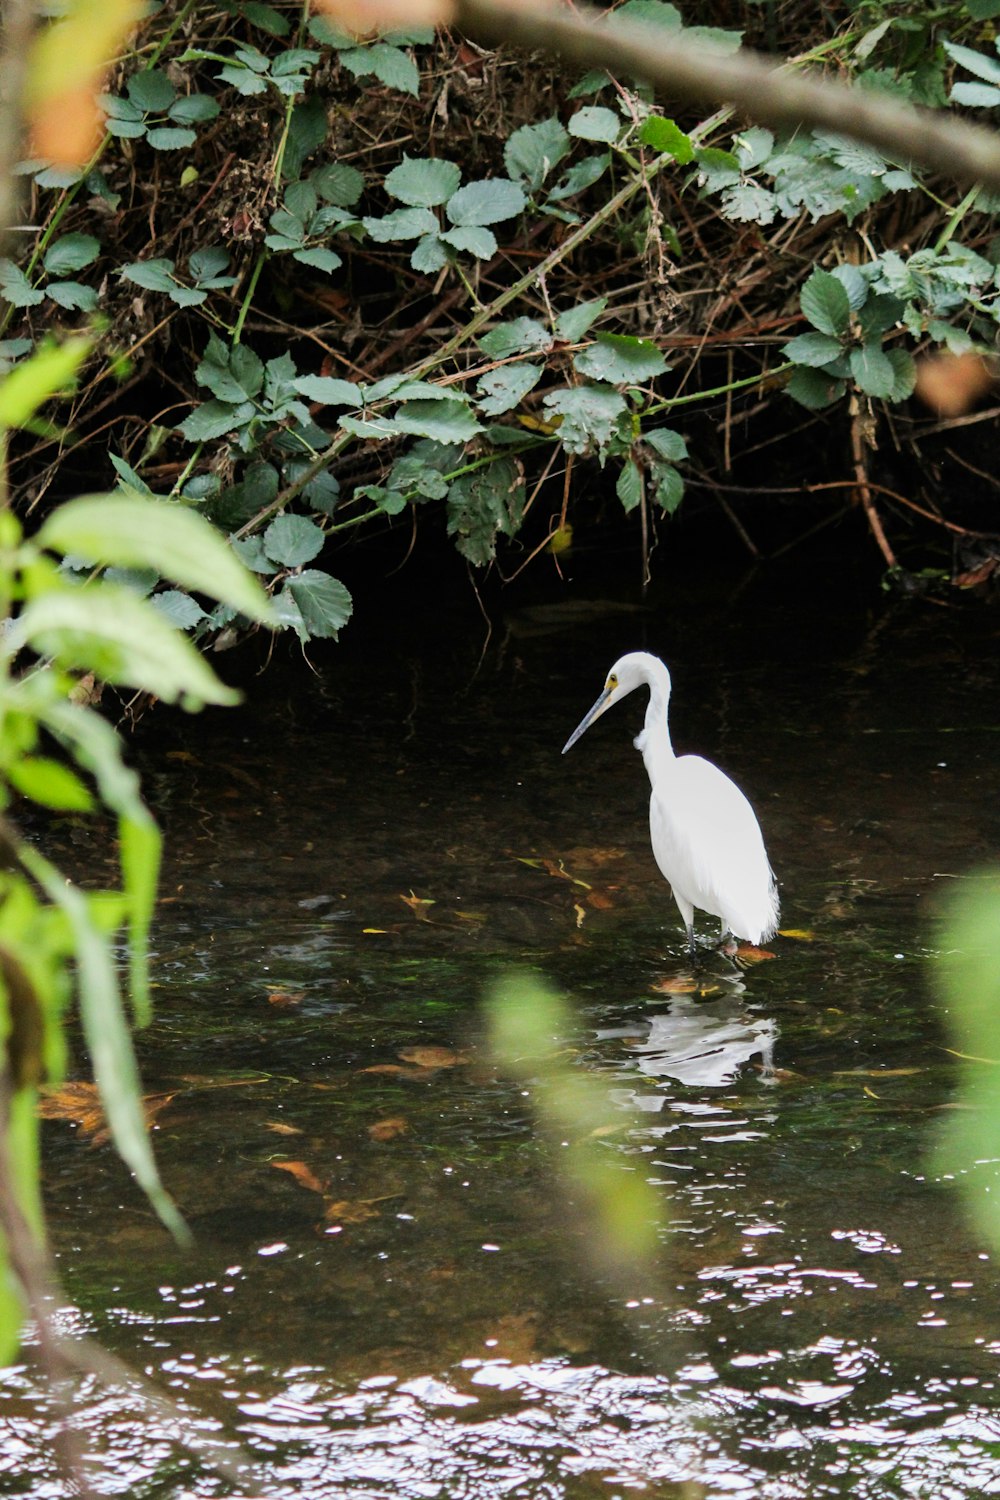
<point>561,540</point>
<point>802,934</point>
<point>432,1057</point>
<point>347,1211</point>
<point>388,1130</point>
<point>419,905</point>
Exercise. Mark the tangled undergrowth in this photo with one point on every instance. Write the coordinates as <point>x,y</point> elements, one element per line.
<point>407,283</point>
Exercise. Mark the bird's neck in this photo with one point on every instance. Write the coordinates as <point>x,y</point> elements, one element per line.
<point>654,741</point>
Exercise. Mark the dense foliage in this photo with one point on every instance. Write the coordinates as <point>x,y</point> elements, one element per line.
<point>348,284</point>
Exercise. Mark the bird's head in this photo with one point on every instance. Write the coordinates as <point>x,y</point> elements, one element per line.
<point>635,669</point>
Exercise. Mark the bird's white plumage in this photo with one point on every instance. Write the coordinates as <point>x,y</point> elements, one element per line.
<point>705,835</point>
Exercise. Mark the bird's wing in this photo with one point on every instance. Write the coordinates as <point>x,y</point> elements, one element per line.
<point>707,840</point>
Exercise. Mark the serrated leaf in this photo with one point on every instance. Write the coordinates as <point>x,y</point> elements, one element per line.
<point>582,175</point>
<point>71,253</point>
<point>154,275</point>
<point>401,224</point>
<point>975,95</point>
<point>151,91</point>
<point>338,183</point>
<point>519,336</point>
<point>501,390</point>
<point>488,201</point>
<point>533,150</point>
<point>855,285</point>
<point>72,295</point>
<point>170,137</point>
<point>444,420</point>
<point>16,287</point>
<point>904,373</point>
<point>483,503</point>
<point>423,181</point>
<point>179,608</point>
<point>749,203</point>
<point>324,603</point>
<point>814,349</point>
<point>825,303</point>
<point>629,486</point>
<point>475,238</point>
<point>293,540</point>
<point>813,389</point>
<point>595,123</point>
<point>194,109</point>
<point>388,64</point>
<point>134,531</point>
<point>872,371</point>
<point>573,322</point>
<point>429,254</point>
<point>668,490</point>
<point>319,257</point>
<point>110,631</point>
<point>213,419</point>
<point>975,62</point>
<point>620,358</point>
<point>667,138</point>
<point>667,443</point>
<point>590,416</point>
<point>328,390</point>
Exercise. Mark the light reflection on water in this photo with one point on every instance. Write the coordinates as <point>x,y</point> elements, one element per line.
<point>821,1322</point>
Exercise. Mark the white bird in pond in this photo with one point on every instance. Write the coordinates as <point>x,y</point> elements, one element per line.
<point>705,835</point>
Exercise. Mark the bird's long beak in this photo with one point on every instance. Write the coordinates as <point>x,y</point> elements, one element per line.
<point>602,703</point>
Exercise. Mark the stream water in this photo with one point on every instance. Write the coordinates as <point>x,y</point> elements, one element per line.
<point>390,1293</point>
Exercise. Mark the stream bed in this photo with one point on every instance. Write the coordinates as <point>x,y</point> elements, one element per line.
<point>391,1294</point>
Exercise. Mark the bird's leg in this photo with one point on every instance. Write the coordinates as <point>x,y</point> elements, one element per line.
<point>692,948</point>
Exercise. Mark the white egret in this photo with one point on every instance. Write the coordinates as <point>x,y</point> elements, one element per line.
<point>705,835</point>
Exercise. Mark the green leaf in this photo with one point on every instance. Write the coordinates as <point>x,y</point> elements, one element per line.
<point>328,390</point>
<point>749,203</point>
<point>975,95</point>
<point>519,336</point>
<point>194,109</point>
<point>151,91</point>
<point>591,415</point>
<point>73,295</point>
<point>483,503</point>
<point>71,253</point>
<point>667,443</point>
<point>574,322</point>
<point>583,174</point>
<point>975,62</point>
<point>179,608</point>
<point>619,359</point>
<point>133,531</point>
<point>108,630</point>
<point>319,257</point>
<point>16,287</point>
<point>855,285</point>
<point>338,183</point>
<point>668,490</point>
<point>154,275</point>
<point>475,238</point>
<point>423,182</point>
<point>401,224</point>
<point>667,138</point>
<point>825,303</point>
<point>533,150</point>
<point>447,421</point>
<point>595,123</point>
<point>630,486</point>
<point>214,419</point>
<point>293,540</point>
<point>905,373</point>
<point>872,371</point>
<point>813,389</point>
<point>813,349</point>
<point>170,137</point>
<point>49,783</point>
<point>879,314</point>
<point>429,254</point>
<point>388,64</point>
<point>50,371</point>
<point>325,604</point>
<point>207,265</point>
<point>486,202</point>
<point>501,390</point>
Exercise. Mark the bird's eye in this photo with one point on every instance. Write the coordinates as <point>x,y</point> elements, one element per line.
<point>612,682</point>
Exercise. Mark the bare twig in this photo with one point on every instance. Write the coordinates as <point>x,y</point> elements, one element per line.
<point>757,85</point>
